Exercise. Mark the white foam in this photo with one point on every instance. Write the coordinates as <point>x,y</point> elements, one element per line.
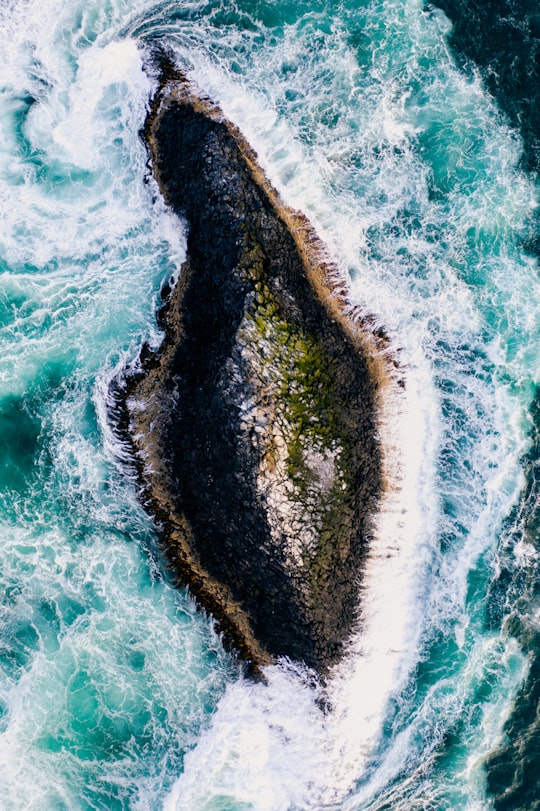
<point>115,67</point>
<point>257,748</point>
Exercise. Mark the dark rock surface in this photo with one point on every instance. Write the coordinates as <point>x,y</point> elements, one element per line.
<point>254,425</point>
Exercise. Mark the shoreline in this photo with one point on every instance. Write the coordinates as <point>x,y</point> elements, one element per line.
<point>347,339</point>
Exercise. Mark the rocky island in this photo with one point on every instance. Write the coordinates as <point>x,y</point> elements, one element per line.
<point>254,425</point>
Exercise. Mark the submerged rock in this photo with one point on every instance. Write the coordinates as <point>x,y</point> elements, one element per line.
<point>254,424</point>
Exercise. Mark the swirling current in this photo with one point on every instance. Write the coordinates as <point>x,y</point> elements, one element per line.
<point>408,134</point>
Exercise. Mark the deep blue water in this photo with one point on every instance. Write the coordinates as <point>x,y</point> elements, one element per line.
<point>413,149</point>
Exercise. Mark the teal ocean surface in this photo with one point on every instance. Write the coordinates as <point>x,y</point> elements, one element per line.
<point>115,692</point>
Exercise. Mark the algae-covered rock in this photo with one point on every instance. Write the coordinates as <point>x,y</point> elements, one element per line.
<point>254,424</point>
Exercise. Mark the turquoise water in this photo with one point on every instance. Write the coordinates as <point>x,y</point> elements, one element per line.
<point>114,691</point>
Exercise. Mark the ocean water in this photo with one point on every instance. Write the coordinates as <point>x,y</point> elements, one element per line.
<point>115,692</point>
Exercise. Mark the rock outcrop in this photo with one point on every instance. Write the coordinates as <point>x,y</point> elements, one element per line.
<point>254,424</point>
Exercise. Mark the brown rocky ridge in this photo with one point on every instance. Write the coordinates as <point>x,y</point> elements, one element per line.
<point>254,425</point>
